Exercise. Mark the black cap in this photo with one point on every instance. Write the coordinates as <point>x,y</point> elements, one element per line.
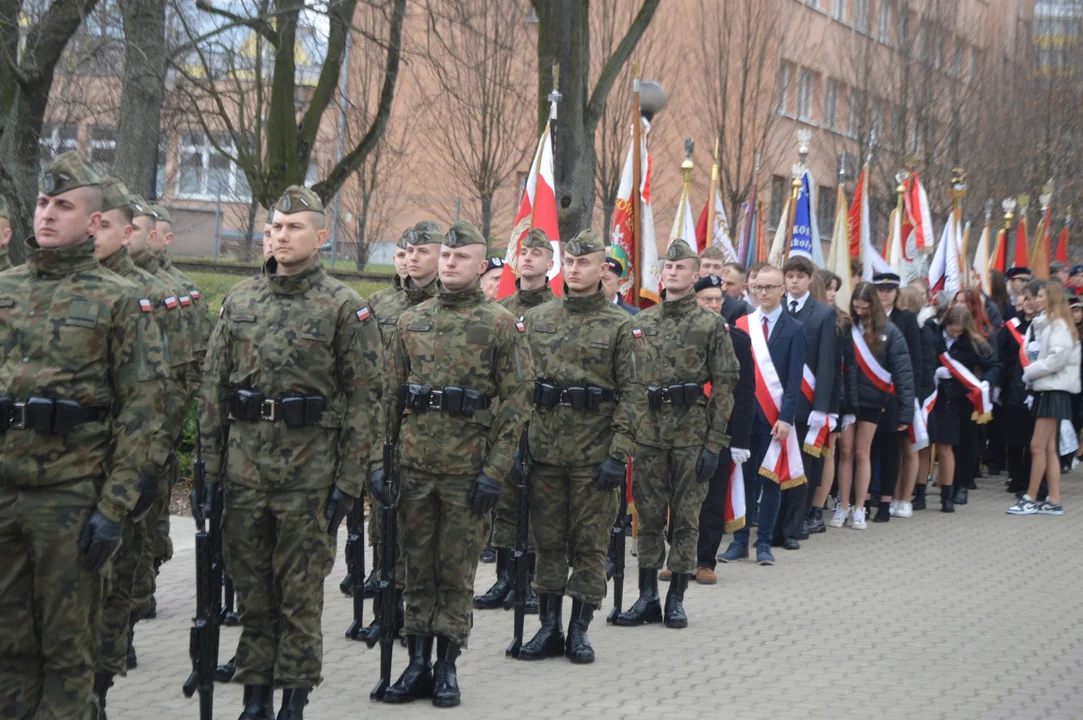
<point>1076,270</point>
<point>1018,272</point>
<point>887,280</point>
<point>708,282</point>
<point>615,266</point>
<point>495,263</point>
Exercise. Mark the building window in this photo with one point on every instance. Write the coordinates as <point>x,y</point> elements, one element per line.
<point>207,174</point>
<point>784,84</point>
<point>780,190</point>
<point>861,15</point>
<point>825,210</point>
<point>885,21</point>
<point>940,49</point>
<point>103,148</point>
<point>57,139</point>
<point>805,92</point>
<point>839,11</point>
<point>831,105</point>
<point>814,4</point>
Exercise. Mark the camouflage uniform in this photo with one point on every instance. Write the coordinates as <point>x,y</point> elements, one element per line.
<point>583,343</point>
<point>116,608</point>
<point>5,261</point>
<point>677,342</point>
<point>456,340</point>
<point>283,337</point>
<point>70,330</point>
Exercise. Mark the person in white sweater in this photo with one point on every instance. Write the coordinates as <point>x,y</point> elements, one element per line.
<point>1052,374</point>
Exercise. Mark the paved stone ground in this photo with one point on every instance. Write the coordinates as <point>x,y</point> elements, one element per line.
<point>971,615</point>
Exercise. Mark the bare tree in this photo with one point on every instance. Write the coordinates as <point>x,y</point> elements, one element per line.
<point>143,83</point>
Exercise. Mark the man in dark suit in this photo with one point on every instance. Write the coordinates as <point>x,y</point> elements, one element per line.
<point>821,339</point>
<point>786,347</point>
<point>712,514</point>
<point>611,283</point>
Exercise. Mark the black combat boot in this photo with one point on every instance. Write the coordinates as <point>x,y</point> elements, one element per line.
<point>416,680</point>
<point>102,683</point>
<point>258,703</point>
<point>549,640</point>
<point>130,658</point>
<point>648,608</point>
<point>445,691</point>
<point>293,704</point>
<point>495,596</point>
<point>578,649</point>
<point>224,673</point>
<point>961,494</point>
<point>816,521</point>
<point>947,504</point>
<point>675,617</point>
<point>918,503</point>
<point>153,611</point>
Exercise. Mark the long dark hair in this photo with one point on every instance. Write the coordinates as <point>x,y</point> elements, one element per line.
<point>976,304</point>
<point>960,315</point>
<point>826,278</point>
<point>998,290</point>
<point>873,325</point>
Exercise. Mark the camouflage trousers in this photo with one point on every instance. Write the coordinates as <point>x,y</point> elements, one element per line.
<point>157,545</point>
<point>50,604</point>
<point>113,639</point>
<point>278,553</point>
<point>566,510</point>
<point>664,482</point>
<point>441,539</point>
<point>504,525</point>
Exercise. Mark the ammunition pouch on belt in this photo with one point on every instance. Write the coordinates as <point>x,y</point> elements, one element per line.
<point>679,394</point>
<point>454,400</point>
<point>296,411</point>
<point>577,397</point>
<point>48,416</point>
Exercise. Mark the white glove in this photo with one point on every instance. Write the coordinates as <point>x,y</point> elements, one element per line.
<point>740,455</point>
<point>942,373</point>
<point>1029,402</point>
<point>833,419</point>
<point>995,396</point>
<point>816,418</point>
<point>848,420</point>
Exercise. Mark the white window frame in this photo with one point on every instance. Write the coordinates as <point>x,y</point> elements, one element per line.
<point>838,12</point>
<point>806,90</point>
<point>55,143</point>
<point>207,152</point>
<point>784,86</point>
<point>831,104</point>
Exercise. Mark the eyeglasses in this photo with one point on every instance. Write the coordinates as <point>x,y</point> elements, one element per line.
<point>761,288</point>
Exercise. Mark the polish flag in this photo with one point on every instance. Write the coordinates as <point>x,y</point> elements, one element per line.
<point>917,210</point>
<point>720,233</point>
<point>944,269</point>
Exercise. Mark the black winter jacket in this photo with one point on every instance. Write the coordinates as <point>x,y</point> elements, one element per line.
<point>894,356</point>
<point>985,367</point>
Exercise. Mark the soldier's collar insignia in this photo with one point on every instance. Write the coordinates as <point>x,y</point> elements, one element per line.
<point>637,333</point>
<point>363,314</point>
<point>145,305</point>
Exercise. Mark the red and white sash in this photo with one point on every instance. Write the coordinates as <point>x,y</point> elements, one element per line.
<point>868,363</point>
<point>782,463</point>
<point>816,438</point>
<point>977,393</point>
<point>1013,328</point>
<point>734,518</point>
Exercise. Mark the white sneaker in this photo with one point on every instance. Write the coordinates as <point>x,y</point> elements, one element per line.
<point>1025,506</point>
<point>858,522</point>
<point>904,510</point>
<point>839,518</point>
<point>893,508</point>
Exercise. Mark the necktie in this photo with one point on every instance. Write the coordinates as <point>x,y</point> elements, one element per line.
<point>793,307</point>
<point>766,328</point>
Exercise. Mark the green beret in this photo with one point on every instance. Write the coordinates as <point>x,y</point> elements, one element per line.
<point>160,213</point>
<point>462,234</point>
<point>679,250</point>
<point>427,232</point>
<point>4,208</point>
<point>67,172</point>
<point>298,199</point>
<point>585,243</point>
<point>115,194</point>
<point>141,207</point>
<point>537,238</point>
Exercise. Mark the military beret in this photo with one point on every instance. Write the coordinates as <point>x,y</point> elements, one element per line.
<point>141,207</point>
<point>679,250</point>
<point>160,213</point>
<point>298,199</point>
<point>615,266</point>
<point>1075,301</point>
<point>67,172</point>
<point>426,232</point>
<point>115,194</point>
<point>462,234</point>
<point>4,208</point>
<point>404,239</point>
<point>537,238</point>
<point>585,243</point>
<point>494,263</point>
<point>708,282</point>
<point>1023,273</point>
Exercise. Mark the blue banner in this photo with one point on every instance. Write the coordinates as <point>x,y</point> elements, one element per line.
<point>802,223</point>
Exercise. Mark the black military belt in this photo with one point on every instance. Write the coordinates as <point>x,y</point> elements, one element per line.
<point>680,394</point>
<point>295,410</point>
<point>49,416</point>
<point>577,397</point>
<point>455,400</point>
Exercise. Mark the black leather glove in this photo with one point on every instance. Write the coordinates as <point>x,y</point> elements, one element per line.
<point>148,491</point>
<point>484,495</point>
<point>378,485</point>
<point>706,465</point>
<point>339,505</point>
<point>610,475</point>
<point>100,539</point>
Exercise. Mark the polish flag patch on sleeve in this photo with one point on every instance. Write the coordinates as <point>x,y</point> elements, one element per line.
<point>520,326</point>
<point>637,333</point>
<point>196,295</point>
<point>145,304</point>
<point>363,314</point>
<point>171,302</point>
<point>186,300</point>
<point>221,311</point>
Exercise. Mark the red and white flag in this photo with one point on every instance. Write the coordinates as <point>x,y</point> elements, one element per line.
<point>720,235</point>
<point>537,209</point>
<point>917,209</point>
<point>622,241</point>
<point>944,269</point>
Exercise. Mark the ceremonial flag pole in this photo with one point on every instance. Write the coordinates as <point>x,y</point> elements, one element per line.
<point>896,241</point>
<point>710,198</point>
<point>804,137</point>
<point>683,227</point>
<point>637,175</point>
<point>840,243</point>
<point>957,193</point>
<point>981,253</point>
<point>1039,252</point>
<point>999,257</point>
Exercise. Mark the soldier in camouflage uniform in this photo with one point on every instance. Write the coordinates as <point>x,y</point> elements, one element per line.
<point>533,263</point>
<point>5,236</point>
<point>579,438</point>
<point>81,400</point>
<point>679,347</point>
<point>111,244</point>
<point>292,372</point>
<point>463,375</point>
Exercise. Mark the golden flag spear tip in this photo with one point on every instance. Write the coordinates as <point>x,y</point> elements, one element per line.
<point>635,69</point>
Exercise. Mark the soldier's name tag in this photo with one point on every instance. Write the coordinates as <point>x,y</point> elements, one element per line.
<point>603,343</point>
<point>82,314</point>
<point>419,327</point>
<point>543,328</point>
<point>242,317</point>
<point>388,321</point>
<point>650,332</point>
<point>6,302</point>
<point>313,330</point>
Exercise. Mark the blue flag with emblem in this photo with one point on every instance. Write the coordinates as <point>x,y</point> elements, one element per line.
<point>801,242</point>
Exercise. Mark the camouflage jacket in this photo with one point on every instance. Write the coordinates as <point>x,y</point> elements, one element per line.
<point>523,300</point>
<point>391,307</point>
<point>302,334</point>
<point>578,341</point>
<point>381,295</point>
<point>172,329</point>
<point>5,259</point>
<point>460,340</point>
<point>680,342</point>
<point>187,346</point>
<point>73,330</point>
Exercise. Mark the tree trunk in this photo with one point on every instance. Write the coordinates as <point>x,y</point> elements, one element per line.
<point>141,99</point>
<point>486,214</point>
<point>362,229</point>
<point>250,228</point>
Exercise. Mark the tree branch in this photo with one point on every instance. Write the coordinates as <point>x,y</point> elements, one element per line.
<point>616,61</point>
<point>327,85</point>
<point>258,24</point>
<point>46,41</point>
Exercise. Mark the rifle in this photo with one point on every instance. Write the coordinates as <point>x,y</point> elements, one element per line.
<point>204,636</point>
<point>386,586</point>
<point>521,472</point>
<point>355,567</point>
<point>615,557</point>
